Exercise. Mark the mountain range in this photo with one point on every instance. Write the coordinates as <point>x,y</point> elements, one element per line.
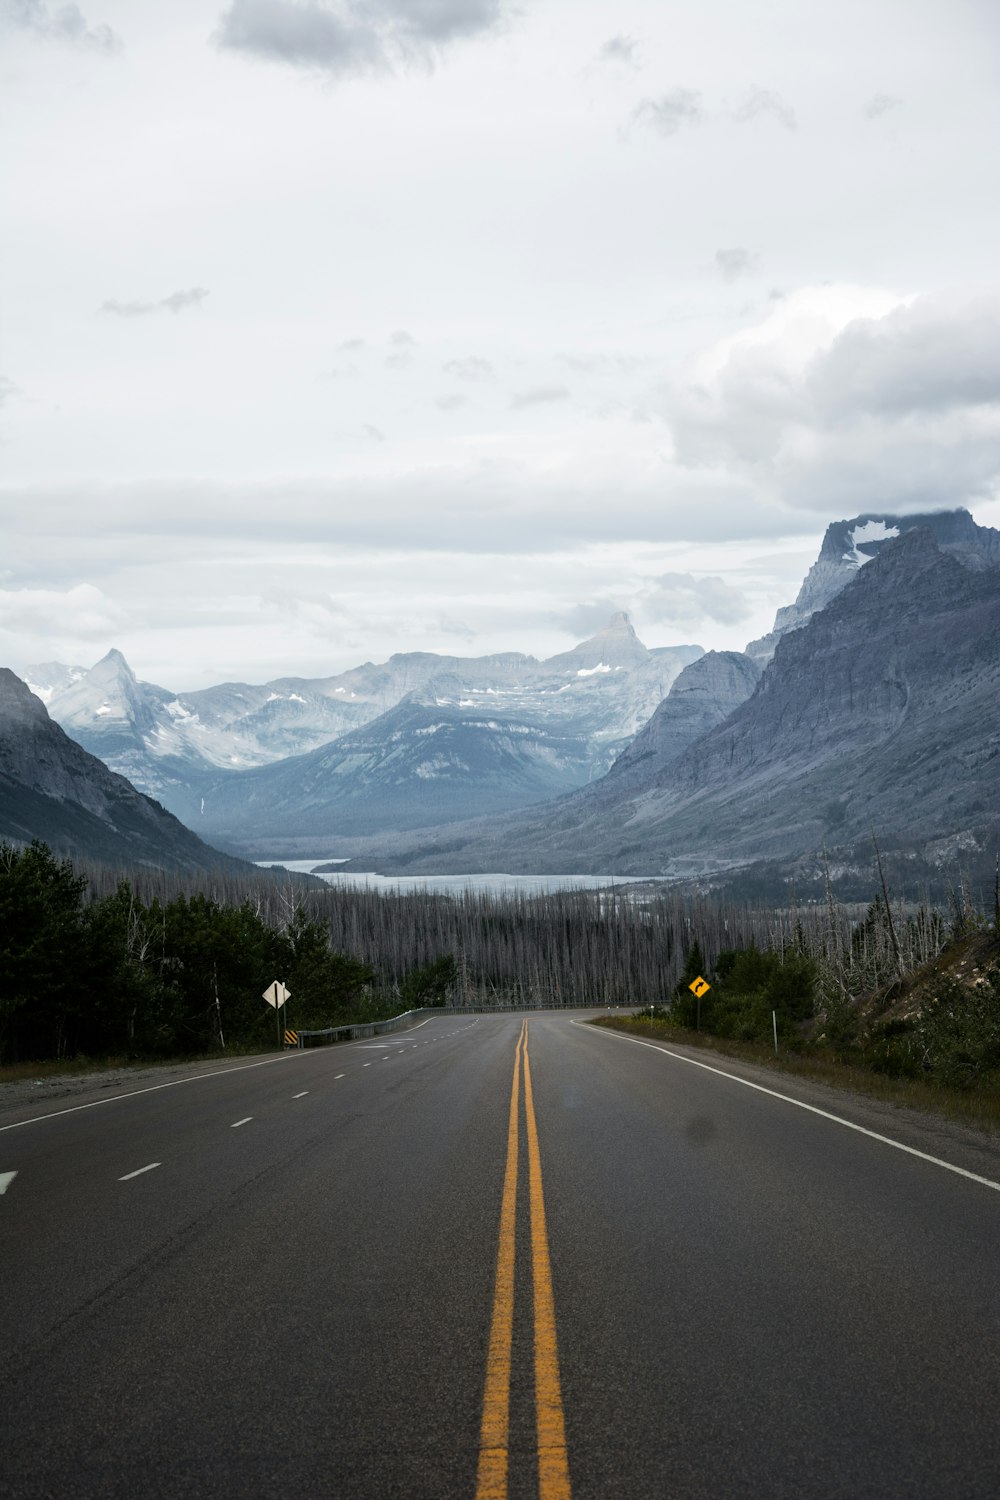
<point>414,741</point>
<point>870,705</point>
<point>878,713</point>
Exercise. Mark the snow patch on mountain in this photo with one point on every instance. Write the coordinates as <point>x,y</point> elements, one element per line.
<point>871,531</point>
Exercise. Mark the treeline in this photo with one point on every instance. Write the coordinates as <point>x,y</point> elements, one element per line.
<point>109,973</point>
<point>95,962</point>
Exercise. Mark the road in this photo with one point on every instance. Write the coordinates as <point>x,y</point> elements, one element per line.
<point>496,1258</point>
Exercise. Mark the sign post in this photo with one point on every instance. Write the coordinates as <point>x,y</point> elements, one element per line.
<point>698,988</point>
<point>276,995</point>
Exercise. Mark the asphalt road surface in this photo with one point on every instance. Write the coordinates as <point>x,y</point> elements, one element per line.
<point>496,1258</point>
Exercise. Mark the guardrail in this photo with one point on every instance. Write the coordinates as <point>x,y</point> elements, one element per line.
<point>357,1030</point>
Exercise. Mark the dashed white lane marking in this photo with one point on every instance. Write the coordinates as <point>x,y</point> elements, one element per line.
<point>366,1065</point>
<point>133,1093</point>
<point>302,1095</point>
<point>6,1178</point>
<point>237,1123</point>
<point>812,1109</point>
<point>339,1075</point>
<point>138,1172</point>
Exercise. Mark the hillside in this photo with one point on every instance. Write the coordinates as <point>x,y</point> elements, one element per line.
<point>53,790</point>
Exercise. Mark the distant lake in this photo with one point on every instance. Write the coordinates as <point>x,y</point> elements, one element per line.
<point>455,885</point>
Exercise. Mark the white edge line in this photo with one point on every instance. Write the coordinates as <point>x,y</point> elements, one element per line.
<point>138,1172</point>
<point>237,1123</point>
<point>6,1178</point>
<point>339,1075</point>
<point>787,1099</point>
<point>191,1078</point>
<point>302,1095</point>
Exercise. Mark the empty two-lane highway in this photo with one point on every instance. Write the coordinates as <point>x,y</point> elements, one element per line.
<point>495,1257</point>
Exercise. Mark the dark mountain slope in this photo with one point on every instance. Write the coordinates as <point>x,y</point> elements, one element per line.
<point>52,789</point>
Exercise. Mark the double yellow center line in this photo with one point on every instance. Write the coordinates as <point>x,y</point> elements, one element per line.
<point>550,1427</point>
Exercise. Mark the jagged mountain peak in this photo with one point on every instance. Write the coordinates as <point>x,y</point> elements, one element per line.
<point>112,666</point>
<point>850,545</point>
<point>858,540</point>
<point>614,648</point>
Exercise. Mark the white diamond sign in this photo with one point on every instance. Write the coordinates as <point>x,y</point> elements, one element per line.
<point>276,994</point>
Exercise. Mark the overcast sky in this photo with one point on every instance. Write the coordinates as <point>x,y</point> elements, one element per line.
<point>338,329</point>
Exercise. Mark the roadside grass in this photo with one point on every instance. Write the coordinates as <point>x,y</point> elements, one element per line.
<point>77,1067</point>
<point>978,1106</point>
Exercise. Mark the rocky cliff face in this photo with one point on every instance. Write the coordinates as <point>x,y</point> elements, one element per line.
<point>52,789</point>
<point>849,545</point>
<point>703,696</point>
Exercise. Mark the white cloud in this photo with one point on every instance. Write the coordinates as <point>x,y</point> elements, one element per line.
<point>538,395</point>
<point>469,367</point>
<point>79,613</point>
<point>684,599</point>
<point>177,302</point>
<point>897,406</point>
<point>620,49</point>
<point>760,104</point>
<point>735,262</point>
<point>879,105</point>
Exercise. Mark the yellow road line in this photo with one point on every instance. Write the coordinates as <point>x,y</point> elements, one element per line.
<point>553,1464</point>
<point>494,1436</point>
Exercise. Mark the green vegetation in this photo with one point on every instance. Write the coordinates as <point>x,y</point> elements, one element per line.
<point>913,1001</point>
<point>116,975</point>
<point>747,985</point>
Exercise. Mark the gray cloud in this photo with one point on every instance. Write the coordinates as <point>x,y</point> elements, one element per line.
<point>8,390</point>
<point>375,433</point>
<point>620,49</point>
<point>64,23</point>
<point>879,105</point>
<point>177,302</point>
<point>735,262</point>
<point>900,411</point>
<point>586,619</point>
<point>926,357</point>
<point>472,367</point>
<point>353,35</point>
<point>402,340</point>
<point>352,345</point>
<point>683,599</point>
<point>538,395</point>
<point>673,109</point>
<point>759,103</point>
<point>449,403</point>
